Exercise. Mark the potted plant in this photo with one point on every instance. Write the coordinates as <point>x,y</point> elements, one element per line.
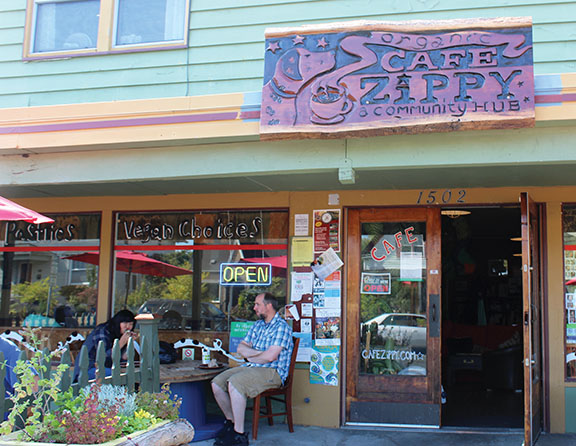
<point>99,414</point>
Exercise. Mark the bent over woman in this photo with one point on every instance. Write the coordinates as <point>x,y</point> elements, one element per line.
<point>119,327</point>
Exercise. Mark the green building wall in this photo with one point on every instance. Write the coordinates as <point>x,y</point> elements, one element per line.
<point>226,47</point>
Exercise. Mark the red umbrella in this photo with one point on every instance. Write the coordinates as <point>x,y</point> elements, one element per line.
<point>10,211</point>
<point>276,262</point>
<point>134,262</point>
<point>279,263</point>
<point>571,281</point>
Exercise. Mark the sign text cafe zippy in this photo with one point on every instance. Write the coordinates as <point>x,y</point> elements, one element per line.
<point>369,78</point>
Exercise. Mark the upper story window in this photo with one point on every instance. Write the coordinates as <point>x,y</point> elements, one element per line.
<point>85,27</point>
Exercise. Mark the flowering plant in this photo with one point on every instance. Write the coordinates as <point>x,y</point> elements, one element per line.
<point>99,413</point>
<point>34,392</point>
<point>102,413</point>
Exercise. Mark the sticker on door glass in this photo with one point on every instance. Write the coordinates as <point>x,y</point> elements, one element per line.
<point>375,283</point>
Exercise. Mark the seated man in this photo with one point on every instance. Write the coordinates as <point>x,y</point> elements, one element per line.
<point>268,348</point>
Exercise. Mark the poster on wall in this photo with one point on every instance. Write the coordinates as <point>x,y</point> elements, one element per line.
<point>324,364</point>
<point>302,251</point>
<point>326,230</point>
<point>571,331</point>
<point>570,301</point>
<point>569,264</point>
<point>305,347</point>
<point>301,284</point>
<point>326,263</point>
<point>306,325</point>
<point>238,331</point>
<point>570,308</point>
<point>301,225</point>
<point>327,326</point>
<point>327,292</point>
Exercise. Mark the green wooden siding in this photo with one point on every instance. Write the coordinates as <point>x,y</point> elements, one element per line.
<point>226,47</point>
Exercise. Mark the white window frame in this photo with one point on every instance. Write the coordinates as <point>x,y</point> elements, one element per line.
<point>106,37</point>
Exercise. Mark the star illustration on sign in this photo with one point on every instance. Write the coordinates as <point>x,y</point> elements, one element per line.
<point>403,80</point>
<point>273,46</point>
<point>298,40</point>
<point>526,99</point>
<point>520,84</point>
<point>322,42</point>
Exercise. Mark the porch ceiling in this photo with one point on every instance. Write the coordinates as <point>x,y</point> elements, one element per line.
<point>383,179</point>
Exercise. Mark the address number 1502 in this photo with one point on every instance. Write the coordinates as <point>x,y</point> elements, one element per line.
<point>441,196</point>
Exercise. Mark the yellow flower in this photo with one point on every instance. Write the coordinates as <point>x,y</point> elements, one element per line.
<point>142,414</point>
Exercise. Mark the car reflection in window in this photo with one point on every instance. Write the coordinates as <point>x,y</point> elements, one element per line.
<point>177,314</point>
<point>404,328</point>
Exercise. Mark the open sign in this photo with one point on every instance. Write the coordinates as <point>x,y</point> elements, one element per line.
<point>375,283</point>
<point>245,274</point>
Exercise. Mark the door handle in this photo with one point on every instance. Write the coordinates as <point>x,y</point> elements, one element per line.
<point>434,315</point>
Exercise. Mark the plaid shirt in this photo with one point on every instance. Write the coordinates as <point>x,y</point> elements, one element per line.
<point>262,335</point>
<point>100,333</point>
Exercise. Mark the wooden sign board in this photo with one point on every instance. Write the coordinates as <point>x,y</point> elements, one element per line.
<point>381,78</point>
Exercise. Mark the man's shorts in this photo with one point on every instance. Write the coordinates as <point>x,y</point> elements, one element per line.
<point>248,381</point>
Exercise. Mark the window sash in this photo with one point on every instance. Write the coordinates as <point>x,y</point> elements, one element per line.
<point>174,31</point>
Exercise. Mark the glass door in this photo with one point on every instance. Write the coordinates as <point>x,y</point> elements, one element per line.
<point>532,303</point>
<point>393,316</point>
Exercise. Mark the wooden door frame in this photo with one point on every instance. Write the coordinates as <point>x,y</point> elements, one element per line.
<point>428,391</point>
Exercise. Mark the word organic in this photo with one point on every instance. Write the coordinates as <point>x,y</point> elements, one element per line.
<point>435,76</point>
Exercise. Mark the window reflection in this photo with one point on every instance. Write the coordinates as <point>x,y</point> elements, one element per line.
<point>41,284</point>
<point>178,272</point>
<point>393,300</point>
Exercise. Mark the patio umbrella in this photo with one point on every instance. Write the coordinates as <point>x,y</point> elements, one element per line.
<point>571,281</point>
<point>279,263</point>
<point>134,262</point>
<point>10,211</point>
<point>276,262</point>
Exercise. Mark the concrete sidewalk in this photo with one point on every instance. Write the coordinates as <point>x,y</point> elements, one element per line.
<point>278,435</point>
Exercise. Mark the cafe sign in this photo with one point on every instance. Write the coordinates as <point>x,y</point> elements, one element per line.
<point>380,78</point>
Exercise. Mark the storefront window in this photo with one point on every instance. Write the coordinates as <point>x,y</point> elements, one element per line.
<point>42,282</point>
<point>199,270</point>
<point>393,299</point>
<point>569,221</point>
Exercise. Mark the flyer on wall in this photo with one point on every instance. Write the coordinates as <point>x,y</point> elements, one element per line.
<point>324,364</point>
<point>305,347</point>
<point>326,263</point>
<point>326,230</point>
<point>327,326</point>
<point>301,284</point>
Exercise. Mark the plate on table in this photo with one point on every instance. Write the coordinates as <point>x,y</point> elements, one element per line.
<point>207,367</point>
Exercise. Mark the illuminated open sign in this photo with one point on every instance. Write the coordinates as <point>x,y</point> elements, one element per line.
<point>245,274</point>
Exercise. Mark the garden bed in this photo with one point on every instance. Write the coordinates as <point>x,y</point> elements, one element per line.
<point>167,433</point>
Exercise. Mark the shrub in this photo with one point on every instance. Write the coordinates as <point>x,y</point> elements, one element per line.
<point>98,414</point>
